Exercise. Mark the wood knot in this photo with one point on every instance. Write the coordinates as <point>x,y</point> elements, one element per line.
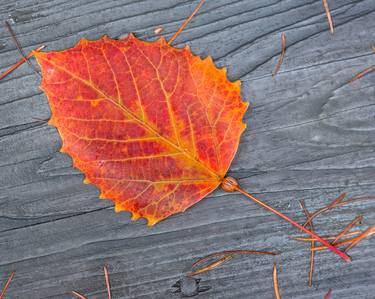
<point>229,184</point>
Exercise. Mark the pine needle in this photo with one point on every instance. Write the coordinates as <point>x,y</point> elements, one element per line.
<point>363,73</point>
<point>20,62</point>
<point>329,16</point>
<point>231,252</point>
<point>347,228</point>
<point>328,294</point>
<point>282,55</point>
<point>368,232</point>
<point>275,281</point>
<point>312,252</point>
<point>308,239</point>
<point>79,295</point>
<point>186,22</point>
<point>226,255</point>
<point>6,285</point>
<point>212,265</point>
<point>106,275</point>
<point>19,48</point>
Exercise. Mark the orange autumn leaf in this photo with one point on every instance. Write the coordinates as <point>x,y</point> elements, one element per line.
<point>155,128</point>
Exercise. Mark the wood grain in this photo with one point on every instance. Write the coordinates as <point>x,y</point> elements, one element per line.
<point>310,136</point>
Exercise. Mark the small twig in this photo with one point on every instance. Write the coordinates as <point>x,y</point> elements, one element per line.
<point>329,16</point>
<point>347,228</point>
<point>20,62</point>
<point>186,22</point>
<point>363,73</point>
<point>282,55</point>
<point>19,48</point>
<point>328,294</point>
<point>79,295</point>
<point>212,265</point>
<point>106,275</point>
<point>6,285</point>
<point>275,281</point>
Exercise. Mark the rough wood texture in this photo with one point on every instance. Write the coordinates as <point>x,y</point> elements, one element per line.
<point>310,135</point>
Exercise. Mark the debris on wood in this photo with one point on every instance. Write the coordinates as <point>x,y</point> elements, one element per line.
<point>158,30</point>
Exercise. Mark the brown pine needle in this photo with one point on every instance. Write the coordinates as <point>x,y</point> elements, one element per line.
<point>328,295</point>
<point>231,252</point>
<point>329,16</point>
<point>79,295</point>
<point>307,239</point>
<point>108,285</point>
<point>331,205</point>
<point>6,285</point>
<point>186,22</point>
<point>368,232</point>
<point>232,183</point>
<point>363,73</point>
<point>20,62</point>
<point>347,228</point>
<point>275,281</point>
<point>338,202</point>
<point>212,265</point>
<point>19,48</point>
<point>312,254</point>
<point>158,30</point>
<point>281,58</point>
<point>106,275</point>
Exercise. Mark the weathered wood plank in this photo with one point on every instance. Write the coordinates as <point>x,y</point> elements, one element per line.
<point>310,135</point>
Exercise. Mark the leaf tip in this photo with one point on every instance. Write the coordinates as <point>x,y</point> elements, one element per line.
<point>102,196</point>
<point>86,181</point>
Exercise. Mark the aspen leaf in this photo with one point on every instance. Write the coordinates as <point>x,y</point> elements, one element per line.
<point>154,127</point>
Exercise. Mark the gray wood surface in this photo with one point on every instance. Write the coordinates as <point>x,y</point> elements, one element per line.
<point>310,135</point>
